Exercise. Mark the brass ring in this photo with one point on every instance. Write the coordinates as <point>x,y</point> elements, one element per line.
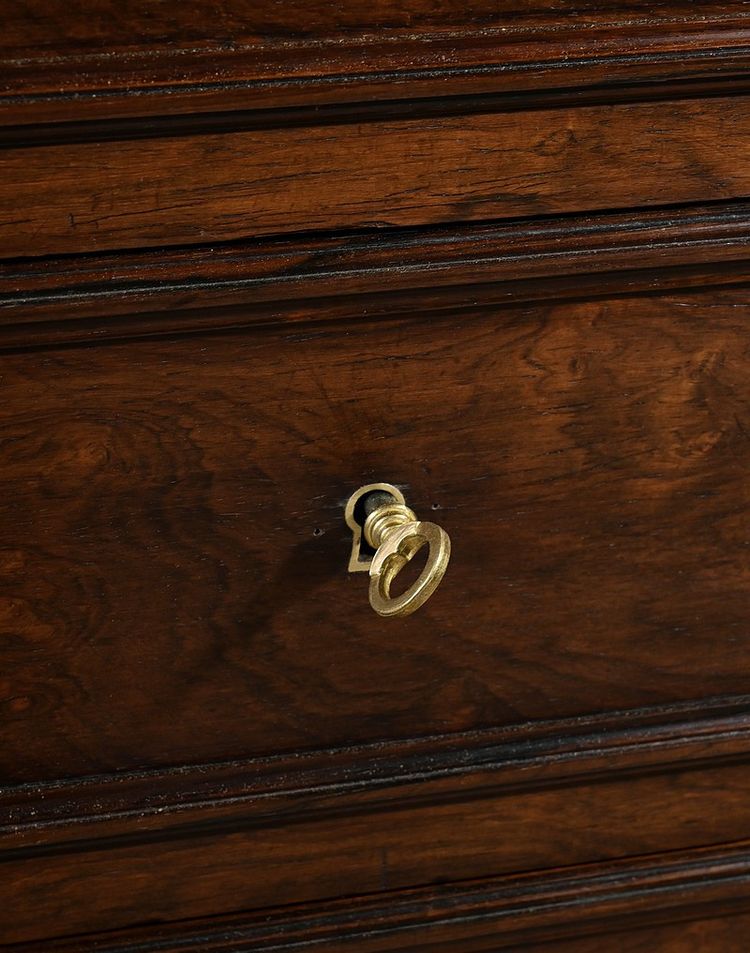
<point>400,545</point>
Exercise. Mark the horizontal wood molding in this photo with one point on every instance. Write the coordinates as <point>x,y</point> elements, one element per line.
<point>344,113</point>
<point>291,280</point>
<point>489,914</point>
<point>372,777</point>
<point>111,883</point>
<point>373,176</point>
<point>109,852</point>
<point>241,57</point>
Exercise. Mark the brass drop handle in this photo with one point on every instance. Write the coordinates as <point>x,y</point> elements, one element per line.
<point>381,521</point>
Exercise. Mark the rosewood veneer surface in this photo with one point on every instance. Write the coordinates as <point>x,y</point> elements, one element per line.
<point>255,255</point>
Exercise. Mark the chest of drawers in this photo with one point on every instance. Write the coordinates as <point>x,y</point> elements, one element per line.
<point>255,257</point>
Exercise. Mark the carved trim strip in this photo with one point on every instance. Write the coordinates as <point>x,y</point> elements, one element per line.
<point>516,54</point>
<point>125,295</point>
<point>370,777</point>
<point>496,913</point>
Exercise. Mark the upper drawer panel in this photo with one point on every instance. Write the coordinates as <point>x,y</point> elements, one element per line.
<point>183,189</point>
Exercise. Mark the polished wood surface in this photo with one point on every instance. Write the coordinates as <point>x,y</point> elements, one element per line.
<point>182,190</point>
<point>215,869</point>
<point>237,823</point>
<point>88,26</point>
<point>103,60</point>
<point>353,779</point>
<point>254,255</point>
<point>352,277</point>
<point>718,935</point>
<point>588,461</point>
<point>628,900</point>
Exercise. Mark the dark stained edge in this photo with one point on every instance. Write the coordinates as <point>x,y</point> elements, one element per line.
<point>372,274</point>
<point>514,55</point>
<point>455,103</point>
<point>159,804</point>
<point>490,914</point>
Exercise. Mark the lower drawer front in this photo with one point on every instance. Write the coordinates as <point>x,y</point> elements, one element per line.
<point>174,556</point>
<point>176,601</point>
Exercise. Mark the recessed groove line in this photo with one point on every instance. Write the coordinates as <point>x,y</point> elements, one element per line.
<point>96,292</point>
<point>381,110</point>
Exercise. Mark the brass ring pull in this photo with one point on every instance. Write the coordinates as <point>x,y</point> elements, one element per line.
<point>393,531</point>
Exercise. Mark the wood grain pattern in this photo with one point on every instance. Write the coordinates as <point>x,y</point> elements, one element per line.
<point>122,26</point>
<point>129,59</point>
<point>359,275</point>
<point>374,777</point>
<point>589,461</point>
<point>184,190</point>
<point>110,883</point>
<point>292,281</point>
<point>726,935</point>
<point>494,252</point>
<point>496,913</point>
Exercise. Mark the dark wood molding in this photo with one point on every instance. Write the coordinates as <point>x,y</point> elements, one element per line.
<point>489,914</point>
<point>255,254</point>
<point>126,129</point>
<point>375,776</point>
<point>466,99</point>
<point>165,192</point>
<point>97,297</point>
<point>256,61</point>
<point>108,883</point>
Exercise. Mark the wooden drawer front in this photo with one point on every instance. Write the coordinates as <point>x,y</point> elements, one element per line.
<point>171,867</point>
<point>174,557</point>
<point>185,189</point>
